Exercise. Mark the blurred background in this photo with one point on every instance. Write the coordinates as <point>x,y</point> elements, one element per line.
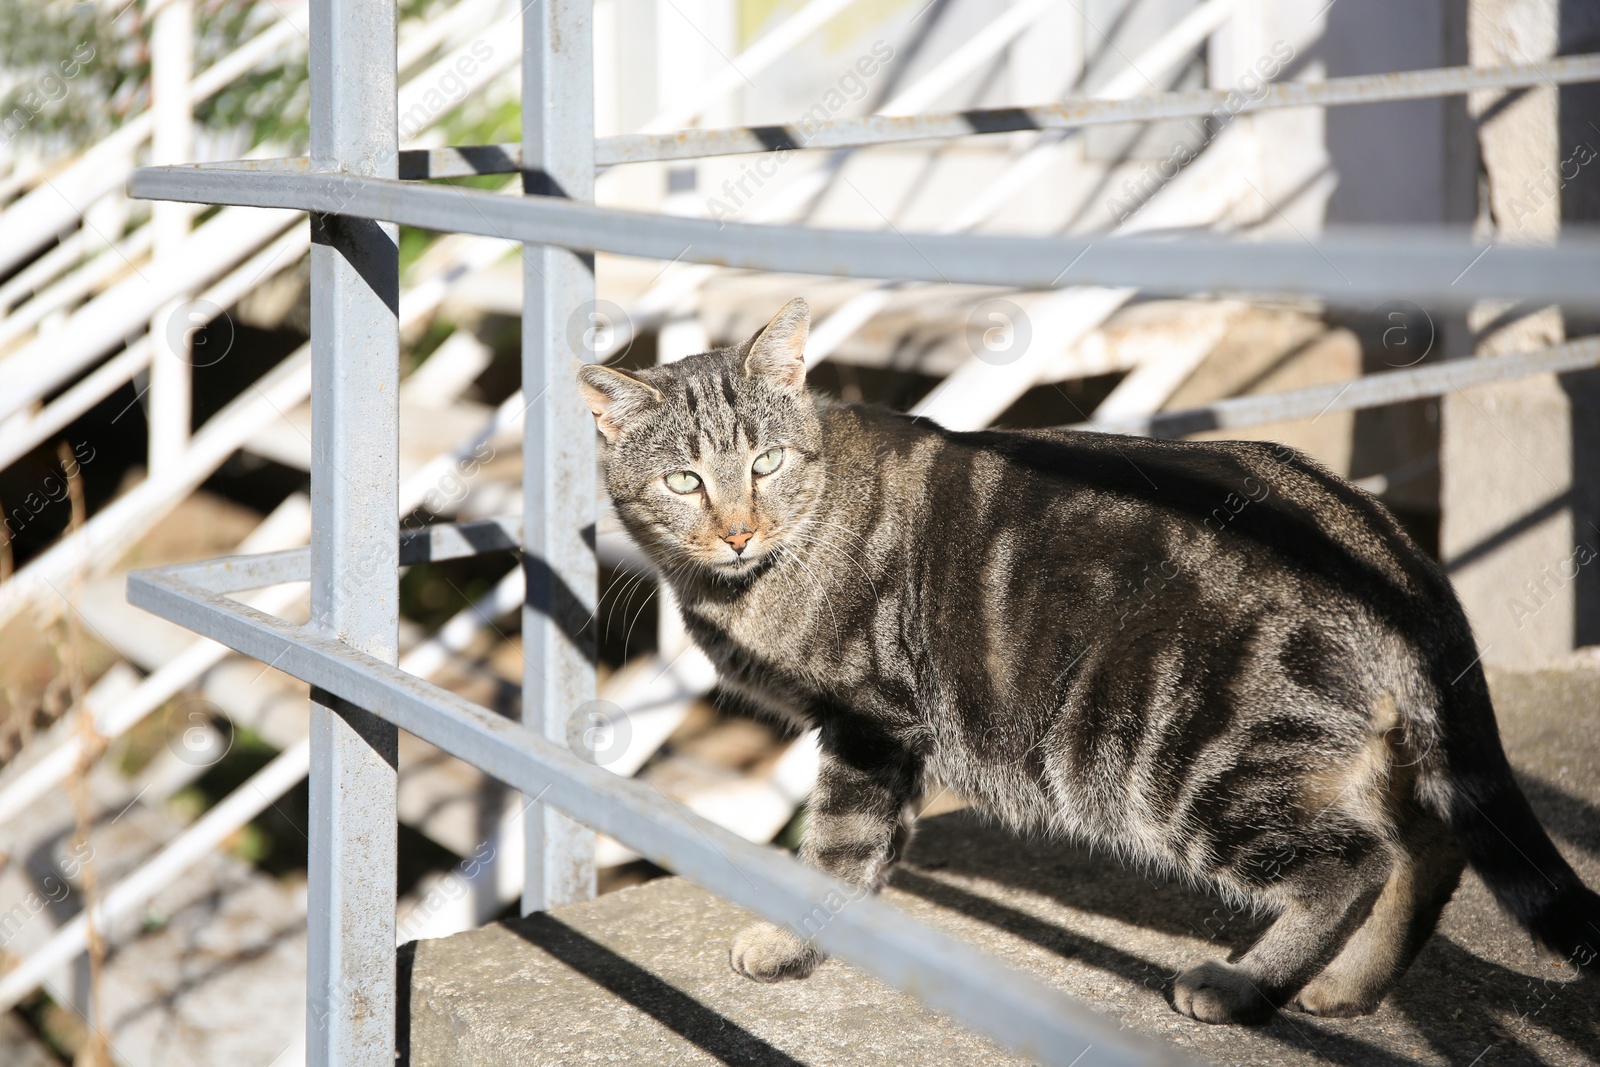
<point>138,427</point>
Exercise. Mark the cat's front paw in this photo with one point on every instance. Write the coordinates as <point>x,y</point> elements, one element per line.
<point>1217,993</point>
<point>768,953</point>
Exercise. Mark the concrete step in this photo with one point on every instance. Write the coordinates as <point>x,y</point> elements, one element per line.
<point>641,976</point>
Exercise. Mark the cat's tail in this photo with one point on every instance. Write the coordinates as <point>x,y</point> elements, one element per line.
<point>1505,843</point>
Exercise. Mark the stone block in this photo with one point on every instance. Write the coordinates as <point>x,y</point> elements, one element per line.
<point>641,977</point>
<point>1519,503</point>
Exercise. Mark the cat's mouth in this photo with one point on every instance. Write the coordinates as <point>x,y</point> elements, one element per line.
<point>743,564</point>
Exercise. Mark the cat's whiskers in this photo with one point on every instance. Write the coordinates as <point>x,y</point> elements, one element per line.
<point>864,548</point>
<point>637,614</point>
<point>632,580</point>
<point>847,531</point>
<point>838,637</point>
<point>780,555</point>
<point>663,577</point>
<point>612,597</point>
<point>818,539</point>
<point>816,548</point>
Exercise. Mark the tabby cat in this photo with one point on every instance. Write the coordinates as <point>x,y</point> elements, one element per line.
<point>1216,658</point>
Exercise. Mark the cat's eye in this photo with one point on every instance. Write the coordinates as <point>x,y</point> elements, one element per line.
<point>683,481</point>
<point>767,462</point>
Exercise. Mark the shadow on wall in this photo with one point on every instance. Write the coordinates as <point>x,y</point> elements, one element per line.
<point>1408,163</point>
<point>1398,162</point>
<point>1578,120</point>
<point>1416,162</point>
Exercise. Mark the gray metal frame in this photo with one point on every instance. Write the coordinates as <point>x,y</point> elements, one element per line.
<point>1427,266</point>
<point>1369,391</point>
<point>355,593</point>
<point>558,448</point>
<point>944,973</point>
<point>463,161</point>
<point>352,186</point>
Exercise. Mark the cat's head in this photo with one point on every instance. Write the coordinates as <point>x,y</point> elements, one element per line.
<point>713,461</point>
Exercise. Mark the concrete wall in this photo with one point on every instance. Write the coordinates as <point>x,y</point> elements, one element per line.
<point>1521,502</point>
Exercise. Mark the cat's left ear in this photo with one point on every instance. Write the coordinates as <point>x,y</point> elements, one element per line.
<point>778,352</point>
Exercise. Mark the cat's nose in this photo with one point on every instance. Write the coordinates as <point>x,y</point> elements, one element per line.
<point>737,537</point>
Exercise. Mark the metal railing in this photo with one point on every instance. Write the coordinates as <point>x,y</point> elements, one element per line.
<point>353,187</point>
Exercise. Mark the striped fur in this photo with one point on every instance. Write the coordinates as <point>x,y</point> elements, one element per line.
<point>1217,659</point>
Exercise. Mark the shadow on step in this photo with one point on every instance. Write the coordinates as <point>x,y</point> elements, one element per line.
<point>671,1007</point>
<point>1465,1004</point>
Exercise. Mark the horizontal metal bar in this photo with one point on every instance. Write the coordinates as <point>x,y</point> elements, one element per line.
<point>470,160</point>
<point>238,574</point>
<point>458,540</point>
<point>1072,114</point>
<point>946,974</point>
<point>430,544</point>
<point>1370,391</point>
<point>278,164</point>
<point>461,162</point>
<point>1427,265</point>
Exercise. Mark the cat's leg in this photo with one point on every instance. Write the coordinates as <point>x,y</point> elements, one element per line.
<point>1323,900</point>
<point>1422,883</point>
<point>856,826</point>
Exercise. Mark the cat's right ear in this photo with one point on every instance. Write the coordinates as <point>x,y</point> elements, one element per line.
<point>615,397</point>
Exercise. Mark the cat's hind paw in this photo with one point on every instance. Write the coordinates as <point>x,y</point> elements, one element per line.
<point>768,953</point>
<point>1332,997</point>
<point>1217,993</point>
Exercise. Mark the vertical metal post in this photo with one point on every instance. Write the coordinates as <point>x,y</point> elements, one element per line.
<point>558,443</point>
<point>355,293</point>
<point>171,388</point>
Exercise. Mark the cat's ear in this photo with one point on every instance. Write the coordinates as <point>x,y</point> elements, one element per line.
<point>778,352</point>
<point>614,397</point>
